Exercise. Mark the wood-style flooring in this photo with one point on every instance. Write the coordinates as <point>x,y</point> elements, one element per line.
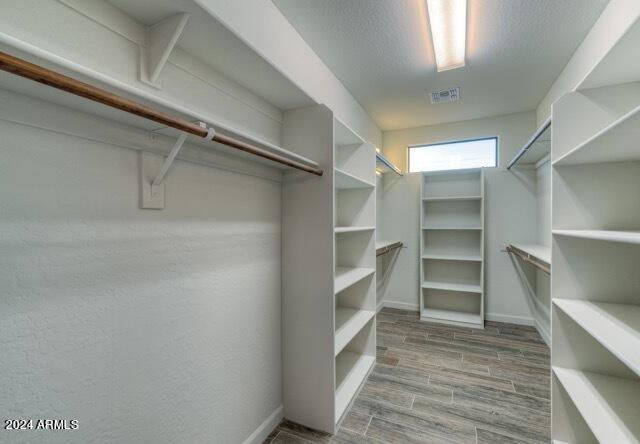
<point>441,384</point>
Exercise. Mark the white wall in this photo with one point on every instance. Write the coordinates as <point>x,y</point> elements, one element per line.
<point>616,18</point>
<point>510,213</point>
<point>386,264</point>
<point>145,326</point>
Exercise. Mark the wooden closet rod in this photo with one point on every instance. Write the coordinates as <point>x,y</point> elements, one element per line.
<point>56,80</point>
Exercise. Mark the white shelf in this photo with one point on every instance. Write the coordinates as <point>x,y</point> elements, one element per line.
<point>541,252</point>
<point>620,65</point>
<point>351,371</point>
<point>615,326</point>
<point>449,227</point>
<point>339,230</point>
<point>452,257</point>
<point>616,143</point>
<point>451,198</point>
<point>453,316</point>
<point>349,321</point>
<point>450,286</point>
<point>627,237</point>
<point>346,181</point>
<point>610,406</point>
<point>346,277</point>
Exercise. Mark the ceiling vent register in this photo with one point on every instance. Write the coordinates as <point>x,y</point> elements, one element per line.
<point>446,95</point>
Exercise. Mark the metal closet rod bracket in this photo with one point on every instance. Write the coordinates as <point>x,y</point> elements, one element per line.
<point>168,161</point>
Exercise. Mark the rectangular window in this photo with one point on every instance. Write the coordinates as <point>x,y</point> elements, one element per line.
<point>454,155</point>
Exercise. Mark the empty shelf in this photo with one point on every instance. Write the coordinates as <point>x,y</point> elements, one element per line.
<point>338,230</point>
<point>346,277</point>
<point>467,288</point>
<point>346,181</point>
<point>349,321</point>
<point>452,257</point>
<point>383,247</point>
<point>616,143</point>
<point>449,198</point>
<point>615,326</point>
<point>610,406</point>
<point>451,316</point>
<point>449,227</point>
<point>628,237</point>
<point>351,371</point>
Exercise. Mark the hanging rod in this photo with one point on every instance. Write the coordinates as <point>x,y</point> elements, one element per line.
<point>529,144</point>
<point>59,81</point>
<point>385,161</point>
<point>529,259</point>
<point>388,248</point>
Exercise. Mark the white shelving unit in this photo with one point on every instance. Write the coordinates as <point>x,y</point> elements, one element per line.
<point>595,254</point>
<point>329,258</point>
<point>355,251</point>
<point>452,247</point>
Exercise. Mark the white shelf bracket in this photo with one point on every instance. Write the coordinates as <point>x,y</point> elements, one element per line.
<point>161,39</point>
<point>167,163</point>
<point>152,191</point>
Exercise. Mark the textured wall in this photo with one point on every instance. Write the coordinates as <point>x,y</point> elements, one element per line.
<point>145,326</point>
<point>510,212</point>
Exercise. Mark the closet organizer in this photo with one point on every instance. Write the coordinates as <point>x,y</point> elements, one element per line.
<point>595,252</point>
<point>328,224</point>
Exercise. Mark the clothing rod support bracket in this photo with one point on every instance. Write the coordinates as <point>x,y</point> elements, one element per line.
<point>155,185</point>
<point>154,169</point>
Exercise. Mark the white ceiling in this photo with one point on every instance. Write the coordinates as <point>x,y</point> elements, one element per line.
<point>381,50</point>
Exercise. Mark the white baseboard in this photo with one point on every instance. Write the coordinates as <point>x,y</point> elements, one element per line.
<point>543,332</point>
<point>398,304</point>
<point>260,434</point>
<point>509,319</point>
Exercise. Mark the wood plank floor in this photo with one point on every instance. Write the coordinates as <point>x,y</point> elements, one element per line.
<point>440,384</point>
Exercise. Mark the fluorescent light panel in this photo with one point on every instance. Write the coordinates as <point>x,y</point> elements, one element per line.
<point>448,19</point>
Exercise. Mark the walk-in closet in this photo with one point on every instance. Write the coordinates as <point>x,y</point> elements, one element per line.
<point>320,221</point>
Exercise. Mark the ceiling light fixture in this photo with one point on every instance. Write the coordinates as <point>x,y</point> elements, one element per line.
<point>448,19</point>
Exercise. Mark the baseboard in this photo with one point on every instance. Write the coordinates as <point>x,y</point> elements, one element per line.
<point>397,304</point>
<point>260,434</point>
<point>543,332</point>
<point>509,319</point>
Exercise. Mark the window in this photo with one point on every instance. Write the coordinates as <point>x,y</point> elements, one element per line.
<point>454,155</point>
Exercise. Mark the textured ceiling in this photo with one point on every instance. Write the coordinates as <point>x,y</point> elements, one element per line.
<point>381,50</point>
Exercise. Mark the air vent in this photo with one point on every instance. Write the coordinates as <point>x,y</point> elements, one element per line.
<point>446,95</point>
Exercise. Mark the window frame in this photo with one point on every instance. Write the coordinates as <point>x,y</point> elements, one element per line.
<point>452,142</point>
